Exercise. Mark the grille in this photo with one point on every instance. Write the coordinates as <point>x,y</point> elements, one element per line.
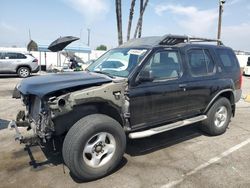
<point>35,106</point>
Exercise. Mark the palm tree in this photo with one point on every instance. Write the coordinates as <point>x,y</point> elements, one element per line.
<point>139,23</point>
<point>140,28</point>
<point>118,5</point>
<point>131,13</point>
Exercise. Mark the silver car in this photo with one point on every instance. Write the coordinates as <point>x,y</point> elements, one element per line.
<point>19,63</point>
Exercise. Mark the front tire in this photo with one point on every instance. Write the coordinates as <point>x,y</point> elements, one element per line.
<point>94,146</point>
<point>218,117</point>
<point>23,72</point>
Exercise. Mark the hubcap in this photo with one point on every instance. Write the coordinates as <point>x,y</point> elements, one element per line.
<point>24,72</point>
<point>220,116</point>
<point>99,149</point>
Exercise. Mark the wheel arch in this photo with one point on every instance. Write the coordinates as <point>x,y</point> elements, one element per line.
<point>64,122</point>
<point>227,93</point>
<point>23,65</point>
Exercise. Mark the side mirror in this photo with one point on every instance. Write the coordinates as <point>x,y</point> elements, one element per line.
<point>146,76</point>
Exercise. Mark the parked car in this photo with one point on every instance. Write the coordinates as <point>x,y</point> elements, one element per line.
<point>19,63</point>
<point>169,82</point>
<point>246,70</point>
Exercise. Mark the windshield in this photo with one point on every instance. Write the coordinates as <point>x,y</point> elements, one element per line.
<point>118,62</point>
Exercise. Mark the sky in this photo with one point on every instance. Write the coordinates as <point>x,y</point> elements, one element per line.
<point>50,19</point>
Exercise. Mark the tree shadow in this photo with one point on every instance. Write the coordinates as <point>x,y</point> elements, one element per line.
<point>53,151</point>
<point>122,163</point>
<point>8,76</point>
<point>151,144</point>
<point>4,124</point>
<point>15,75</point>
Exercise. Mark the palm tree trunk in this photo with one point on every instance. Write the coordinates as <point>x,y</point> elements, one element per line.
<point>131,13</point>
<point>119,20</point>
<point>140,18</point>
<point>140,27</point>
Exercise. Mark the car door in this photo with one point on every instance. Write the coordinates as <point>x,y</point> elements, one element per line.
<point>161,99</point>
<point>1,61</point>
<point>4,62</point>
<point>202,79</point>
<point>13,61</point>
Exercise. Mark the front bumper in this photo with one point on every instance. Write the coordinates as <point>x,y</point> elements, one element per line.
<point>31,139</point>
<point>18,136</point>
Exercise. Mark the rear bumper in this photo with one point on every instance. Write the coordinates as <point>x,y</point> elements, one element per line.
<point>36,70</point>
<point>237,95</point>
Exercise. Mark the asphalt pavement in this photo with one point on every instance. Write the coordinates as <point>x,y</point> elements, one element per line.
<point>185,157</point>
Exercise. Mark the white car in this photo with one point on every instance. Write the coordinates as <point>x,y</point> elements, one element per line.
<point>19,63</point>
<point>246,70</point>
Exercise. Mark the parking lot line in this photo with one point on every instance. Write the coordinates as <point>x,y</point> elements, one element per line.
<point>208,163</point>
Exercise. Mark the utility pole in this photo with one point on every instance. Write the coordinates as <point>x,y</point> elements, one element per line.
<point>88,42</point>
<point>221,3</point>
<point>29,35</point>
<point>88,36</point>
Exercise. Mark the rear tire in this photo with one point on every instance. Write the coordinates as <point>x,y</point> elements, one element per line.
<point>218,117</point>
<point>23,72</point>
<point>94,146</point>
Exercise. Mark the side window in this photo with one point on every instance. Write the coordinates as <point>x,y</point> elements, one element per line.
<point>164,65</point>
<point>200,62</point>
<point>11,55</point>
<point>227,58</point>
<point>21,56</point>
<point>2,55</point>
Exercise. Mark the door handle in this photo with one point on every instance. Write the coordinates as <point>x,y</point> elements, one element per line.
<point>182,85</point>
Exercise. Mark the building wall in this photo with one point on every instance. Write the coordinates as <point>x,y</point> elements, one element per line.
<point>242,60</point>
<point>54,58</point>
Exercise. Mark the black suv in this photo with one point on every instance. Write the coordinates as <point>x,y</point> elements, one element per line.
<point>161,83</point>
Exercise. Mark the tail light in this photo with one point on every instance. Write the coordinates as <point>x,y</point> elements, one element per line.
<point>35,61</point>
<point>241,80</point>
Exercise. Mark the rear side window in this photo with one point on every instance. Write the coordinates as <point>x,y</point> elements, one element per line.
<point>12,55</point>
<point>2,55</point>
<point>200,62</point>
<point>227,58</point>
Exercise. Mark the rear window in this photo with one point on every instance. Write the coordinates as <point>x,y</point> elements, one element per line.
<point>228,59</point>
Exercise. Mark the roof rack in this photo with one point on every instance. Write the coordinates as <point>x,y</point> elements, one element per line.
<point>176,39</point>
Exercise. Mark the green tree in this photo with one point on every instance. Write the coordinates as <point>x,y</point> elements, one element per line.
<point>101,47</point>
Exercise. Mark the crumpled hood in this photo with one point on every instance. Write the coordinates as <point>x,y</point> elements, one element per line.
<point>43,85</point>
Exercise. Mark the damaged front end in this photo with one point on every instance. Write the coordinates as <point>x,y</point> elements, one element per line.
<point>36,118</point>
<point>42,113</point>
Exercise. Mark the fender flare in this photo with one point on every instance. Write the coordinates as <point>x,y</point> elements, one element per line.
<point>216,97</point>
